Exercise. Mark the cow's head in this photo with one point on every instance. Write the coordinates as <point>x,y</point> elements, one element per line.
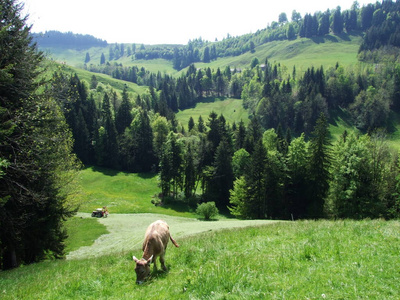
<point>142,269</point>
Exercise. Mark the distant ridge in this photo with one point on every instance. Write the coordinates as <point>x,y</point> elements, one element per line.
<point>67,40</point>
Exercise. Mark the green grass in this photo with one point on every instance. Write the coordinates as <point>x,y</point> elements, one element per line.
<point>302,53</point>
<point>232,109</point>
<point>339,122</point>
<point>288,260</point>
<point>82,232</point>
<point>104,80</point>
<point>126,231</point>
<point>124,193</point>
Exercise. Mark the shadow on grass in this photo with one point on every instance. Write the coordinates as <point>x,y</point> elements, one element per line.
<point>113,172</point>
<point>334,38</point>
<point>178,206</point>
<point>207,220</point>
<point>207,100</point>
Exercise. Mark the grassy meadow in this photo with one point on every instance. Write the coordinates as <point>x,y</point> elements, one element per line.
<point>232,109</point>
<point>285,260</point>
<point>123,193</point>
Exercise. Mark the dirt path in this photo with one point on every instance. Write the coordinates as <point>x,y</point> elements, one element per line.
<point>126,231</point>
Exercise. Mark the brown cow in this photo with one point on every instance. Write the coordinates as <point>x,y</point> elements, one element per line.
<point>154,245</point>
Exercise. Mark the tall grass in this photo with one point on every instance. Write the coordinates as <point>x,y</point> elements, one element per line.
<point>288,260</point>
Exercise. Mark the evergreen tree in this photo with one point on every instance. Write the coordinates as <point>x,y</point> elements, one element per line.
<point>290,33</point>
<point>37,166</point>
<point>222,177</point>
<point>171,166</point>
<point>324,24</point>
<point>337,23</point>
<point>107,147</point>
<point>319,168</point>
<point>206,55</point>
<point>240,136</point>
<point>123,118</point>
<point>102,59</point>
<point>87,58</point>
<point>93,82</point>
<point>298,184</point>
<point>190,173</point>
<point>142,135</point>
<point>256,182</point>
<point>190,124</point>
<point>200,125</point>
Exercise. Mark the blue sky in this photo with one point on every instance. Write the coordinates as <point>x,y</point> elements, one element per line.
<point>166,21</point>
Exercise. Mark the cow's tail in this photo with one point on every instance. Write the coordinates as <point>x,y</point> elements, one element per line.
<point>174,242</point>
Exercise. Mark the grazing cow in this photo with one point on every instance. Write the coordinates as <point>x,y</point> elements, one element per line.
<point>154,245</point>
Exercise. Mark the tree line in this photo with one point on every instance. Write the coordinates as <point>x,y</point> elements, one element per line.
<point>69,40</point>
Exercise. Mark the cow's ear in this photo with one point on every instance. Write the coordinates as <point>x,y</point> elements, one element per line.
<point>150,260</point>
<point>135,259</point>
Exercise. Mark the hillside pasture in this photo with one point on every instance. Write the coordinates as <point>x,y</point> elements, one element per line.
<point>284,260</point>
<point>124,192</point>
<point>302,52</point>
<point>231,109</point>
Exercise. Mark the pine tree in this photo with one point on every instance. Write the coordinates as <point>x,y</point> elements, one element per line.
<point>206,55</point>
<point>171,166</point>
<point>123,118</point>
<point>337,23</point>
<point>319,168</point>
<point>222,178</point>
<point>200,125</point>
<point>256,182</point>
<point>190,173</point>
<point>190,124</point>
<point>107,147</point>
<point>35,153</point>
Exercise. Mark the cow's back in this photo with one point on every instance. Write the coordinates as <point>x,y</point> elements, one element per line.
<point>156,238</point>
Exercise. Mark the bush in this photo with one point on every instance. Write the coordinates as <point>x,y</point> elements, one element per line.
<point>207,210</point>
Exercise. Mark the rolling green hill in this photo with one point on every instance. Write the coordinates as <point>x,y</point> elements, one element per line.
<point>301,52</point>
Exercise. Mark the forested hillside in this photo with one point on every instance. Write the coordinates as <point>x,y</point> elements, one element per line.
<point>282,165</point>
<point>67,40</point>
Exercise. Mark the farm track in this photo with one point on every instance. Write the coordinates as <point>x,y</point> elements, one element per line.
<point>126,232</point>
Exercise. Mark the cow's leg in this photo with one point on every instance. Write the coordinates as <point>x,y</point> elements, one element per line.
<point>155,263</point>
<point>162,260</point>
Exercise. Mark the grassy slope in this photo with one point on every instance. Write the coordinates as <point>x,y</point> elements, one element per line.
<point>123,193</point>
<point>301,52</point>
<point>292,260</point>
<point>232,109</point>
<point>105,80</point>
<point>82,232</point>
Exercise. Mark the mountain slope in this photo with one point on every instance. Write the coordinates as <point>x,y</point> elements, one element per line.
<point>302,53</point>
